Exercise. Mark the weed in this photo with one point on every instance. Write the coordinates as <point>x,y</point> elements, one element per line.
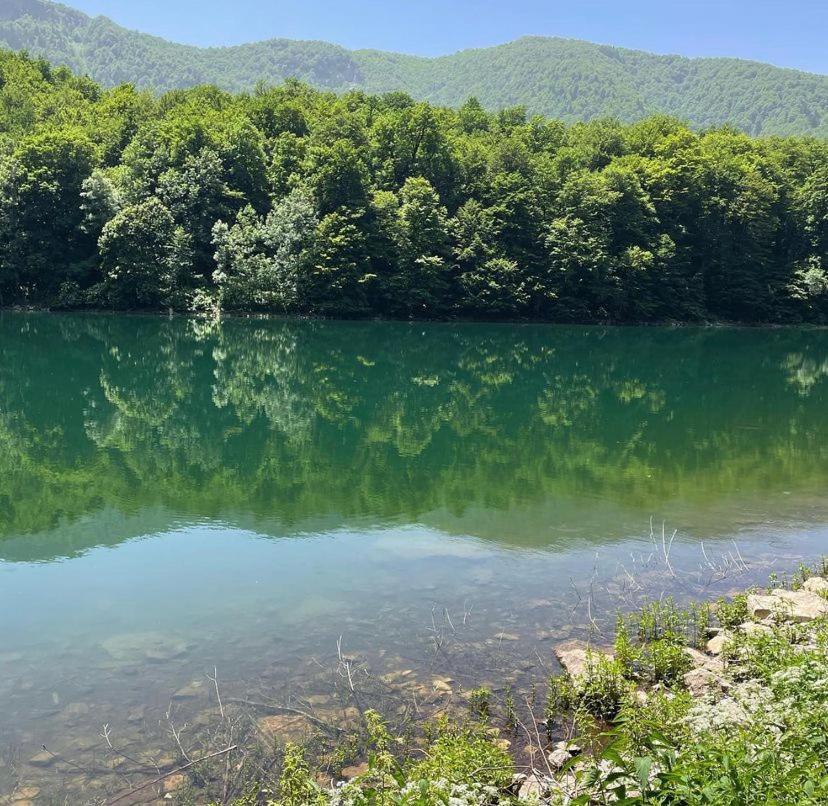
<point>732,613</point>
<point>480,703</point>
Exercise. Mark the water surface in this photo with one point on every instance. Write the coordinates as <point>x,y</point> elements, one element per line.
<point>176,498</point>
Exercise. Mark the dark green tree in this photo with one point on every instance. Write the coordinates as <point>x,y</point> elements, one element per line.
<point>144,257</point>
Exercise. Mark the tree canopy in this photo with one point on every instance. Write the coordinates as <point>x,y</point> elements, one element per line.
<point>563,78</point>
<point>291,199</point>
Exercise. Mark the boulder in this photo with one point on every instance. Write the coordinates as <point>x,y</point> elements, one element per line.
<point>558,758</point>
<point>702,661</point>
<point>571,748</point>
<point>795,606</point>
<point>801,605</point>
<point>816,585</point>
<point>532,788</point>
<point>702,680</point>
<point>517,782</point>
<point>761,607</point>
<point>753,627</point>
<point>574,656</point>
<point>716,645</point>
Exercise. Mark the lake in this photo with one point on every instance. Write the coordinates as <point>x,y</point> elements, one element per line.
<point>255,501</point>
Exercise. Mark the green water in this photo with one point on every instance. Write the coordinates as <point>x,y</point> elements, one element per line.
<point>176,497</point>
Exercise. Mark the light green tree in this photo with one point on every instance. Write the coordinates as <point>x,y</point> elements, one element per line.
<point>260,260</point>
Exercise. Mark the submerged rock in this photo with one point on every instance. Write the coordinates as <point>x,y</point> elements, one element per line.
<point>397,677</point>
<point>24,794</point>
<point>75,711</point>
<point>42,759</point>
<point>442,684</point>
<point>137,647</point>
<point>354,771</point>
<point>174,782</point>
<point>190,691</point>
<point>288,727</point>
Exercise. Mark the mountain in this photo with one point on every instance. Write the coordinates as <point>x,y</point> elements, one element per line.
<point>562,78</point>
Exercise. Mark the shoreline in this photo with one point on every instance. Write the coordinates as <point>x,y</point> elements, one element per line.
<point>693,675</point>
<point>712,324</point>
<point>670,668</point>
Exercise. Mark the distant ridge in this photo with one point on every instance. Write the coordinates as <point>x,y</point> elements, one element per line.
<point>562,78</point>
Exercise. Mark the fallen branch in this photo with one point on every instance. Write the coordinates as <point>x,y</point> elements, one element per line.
<point>168,774</point>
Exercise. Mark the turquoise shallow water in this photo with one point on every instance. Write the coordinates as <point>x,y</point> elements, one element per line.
<point>176,499</point>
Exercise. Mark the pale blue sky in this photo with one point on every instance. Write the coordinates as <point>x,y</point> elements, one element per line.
<point>790,34</point>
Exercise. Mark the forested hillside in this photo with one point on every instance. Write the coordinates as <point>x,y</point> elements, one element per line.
<point>291,199</point>
<point>566,79</point>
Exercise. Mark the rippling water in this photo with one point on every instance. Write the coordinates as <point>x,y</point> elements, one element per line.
<point>177,498</point>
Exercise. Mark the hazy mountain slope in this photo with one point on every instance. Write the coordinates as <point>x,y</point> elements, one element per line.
<point>575,80</point>
<point>112,54</point>
<point>563,78</point>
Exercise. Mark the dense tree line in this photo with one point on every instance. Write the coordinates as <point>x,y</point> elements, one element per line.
<point>291,199</point>
<point>561,78</point>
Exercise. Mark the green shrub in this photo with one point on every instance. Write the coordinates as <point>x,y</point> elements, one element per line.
<point>660,712</point>
<point>625,652</point>
<point>296,787</point>
<point>560,698</point>
<point>662,660</point>
<point>602,687</point>
<point>480,703</point>
<point>464,756</point>
<point>664,620</point>
<point>732,613</point>
<point>509,710</point>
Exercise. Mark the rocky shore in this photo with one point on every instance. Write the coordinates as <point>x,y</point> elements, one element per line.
<point>786,626</point>
<point>720,702</point>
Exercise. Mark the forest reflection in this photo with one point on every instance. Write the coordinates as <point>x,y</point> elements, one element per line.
<point>280,426</point>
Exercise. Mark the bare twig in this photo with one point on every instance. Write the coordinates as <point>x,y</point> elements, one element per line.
<point>106,733</point>
<point>214,678</point>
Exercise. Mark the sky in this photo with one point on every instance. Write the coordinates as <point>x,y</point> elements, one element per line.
<point>789,34</point>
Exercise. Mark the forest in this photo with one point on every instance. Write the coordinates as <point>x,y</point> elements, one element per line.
<point>289,199</point>
<point>567,79</point>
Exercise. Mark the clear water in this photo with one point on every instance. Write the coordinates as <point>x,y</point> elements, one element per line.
<point>452,499</point>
